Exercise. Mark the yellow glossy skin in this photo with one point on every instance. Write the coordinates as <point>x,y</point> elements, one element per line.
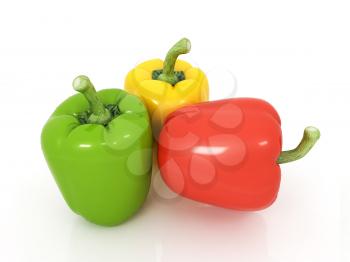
<point>161,98</point>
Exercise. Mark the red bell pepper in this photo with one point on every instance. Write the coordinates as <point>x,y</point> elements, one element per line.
<point>227,153</point>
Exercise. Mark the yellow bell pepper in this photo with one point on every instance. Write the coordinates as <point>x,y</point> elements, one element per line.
<point>169,85</point>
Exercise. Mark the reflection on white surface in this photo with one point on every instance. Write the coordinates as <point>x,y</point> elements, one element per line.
<point>177,231</point>
<point>209,150</point>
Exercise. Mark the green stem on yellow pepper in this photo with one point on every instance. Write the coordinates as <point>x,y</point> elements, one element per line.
<point>99,114</point>
<point>310,137</point>
<point>181,47</point>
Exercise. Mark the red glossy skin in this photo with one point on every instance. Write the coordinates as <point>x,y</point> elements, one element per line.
<point>223,153</point>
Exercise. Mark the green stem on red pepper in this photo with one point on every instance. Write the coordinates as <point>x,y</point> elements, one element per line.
<point>99,113</point>
<point>168,75</point>
<point>310,137</point>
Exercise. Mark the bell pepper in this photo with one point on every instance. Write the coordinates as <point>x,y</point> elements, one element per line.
<point>227,153</point>
<point>166,86</point>
<point>98,146</point>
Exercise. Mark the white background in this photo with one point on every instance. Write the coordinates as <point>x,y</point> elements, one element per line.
<point>295,54</point>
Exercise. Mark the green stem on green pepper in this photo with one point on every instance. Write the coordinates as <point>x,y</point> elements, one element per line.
<point>99,114</point>
<point>181,47</point>
<point>310,137</point>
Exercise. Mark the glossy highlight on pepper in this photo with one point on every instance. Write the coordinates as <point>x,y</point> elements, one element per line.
<point>98,146</point>
<point>167,85</point>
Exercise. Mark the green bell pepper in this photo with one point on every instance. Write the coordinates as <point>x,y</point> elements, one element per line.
<point>98,146</point>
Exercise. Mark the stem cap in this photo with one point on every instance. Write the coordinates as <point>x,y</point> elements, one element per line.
<point>81,83</point>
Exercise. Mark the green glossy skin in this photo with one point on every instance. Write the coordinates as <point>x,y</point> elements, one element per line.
<point>103,172</point>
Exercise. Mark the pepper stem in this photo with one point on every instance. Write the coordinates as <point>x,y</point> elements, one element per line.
<point>99,115</point>
<point>310,137</point>
<point>181,47</point>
